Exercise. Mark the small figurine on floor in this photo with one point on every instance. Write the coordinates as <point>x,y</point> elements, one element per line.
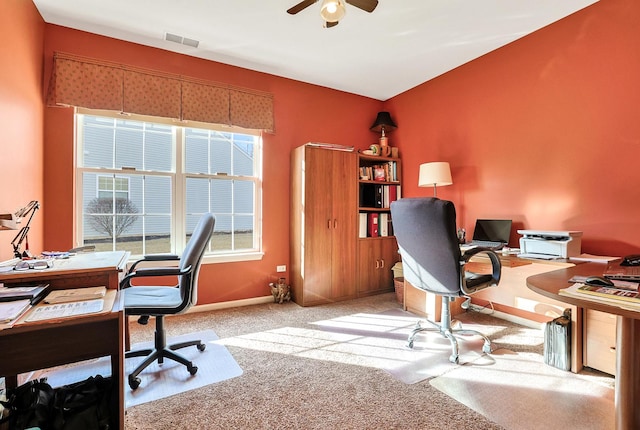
<point>281,291</point>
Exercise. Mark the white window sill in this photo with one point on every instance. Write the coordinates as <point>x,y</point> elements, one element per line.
<point>210,259</point>
<point>231,258</point>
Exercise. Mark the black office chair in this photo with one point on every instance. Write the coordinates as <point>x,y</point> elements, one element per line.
<point>425,229</point>
<point>158,301</point>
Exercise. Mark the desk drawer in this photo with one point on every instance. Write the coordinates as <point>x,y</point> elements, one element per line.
<point>600,341</point>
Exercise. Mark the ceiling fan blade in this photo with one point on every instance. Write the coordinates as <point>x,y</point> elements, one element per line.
<point>330,24</point>
<point>300,6</point>
<point>366,5</point>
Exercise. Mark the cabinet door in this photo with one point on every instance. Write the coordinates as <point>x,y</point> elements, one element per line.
<point>376,258</point>
<point>344,195</point>
<point>318,226</point>
<point>389,256</point>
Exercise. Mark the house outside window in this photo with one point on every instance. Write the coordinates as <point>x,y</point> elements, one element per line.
<point>143,183</point>
<point>108,186</point>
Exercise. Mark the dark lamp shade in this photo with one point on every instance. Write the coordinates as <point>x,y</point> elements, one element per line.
<point>383,122</point>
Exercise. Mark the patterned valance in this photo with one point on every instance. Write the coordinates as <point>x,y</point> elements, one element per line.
<point>95,84</point>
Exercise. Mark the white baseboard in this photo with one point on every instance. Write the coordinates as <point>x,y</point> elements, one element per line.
<point>231,304</point>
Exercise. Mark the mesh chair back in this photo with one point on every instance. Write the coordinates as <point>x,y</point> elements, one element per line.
<point>192,256</point>
<point>425,229</point>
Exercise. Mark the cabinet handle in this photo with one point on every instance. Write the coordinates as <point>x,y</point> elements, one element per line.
<point>382,264</point>
<point>377,264</point>
<point>329,224</point>
<point>335,223</point>
<point>612,349</point>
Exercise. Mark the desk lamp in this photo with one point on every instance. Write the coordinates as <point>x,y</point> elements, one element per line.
<point>12,221</point>
<point>434,174</point>
<point>383,123</point>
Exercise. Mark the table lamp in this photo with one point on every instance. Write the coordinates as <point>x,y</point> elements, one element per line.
<point>382,124</point>
<point>13,221</point>
<point>434,174</point>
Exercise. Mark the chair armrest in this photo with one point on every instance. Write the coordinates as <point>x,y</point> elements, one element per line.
<point>153,271</point>
<point>154,258</point>
<point>496,264</point>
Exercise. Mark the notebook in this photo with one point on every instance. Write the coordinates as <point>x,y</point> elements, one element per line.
<point>622,273</point>
<point>491,233</point>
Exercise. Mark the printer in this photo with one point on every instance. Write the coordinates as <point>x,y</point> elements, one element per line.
<point>550,244</point>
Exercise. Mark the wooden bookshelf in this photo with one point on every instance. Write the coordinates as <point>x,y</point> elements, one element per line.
<point>378,185</point>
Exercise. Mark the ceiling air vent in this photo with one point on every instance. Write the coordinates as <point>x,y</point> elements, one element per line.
<point>181,40</point>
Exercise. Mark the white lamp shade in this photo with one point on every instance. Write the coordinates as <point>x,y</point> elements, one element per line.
<point>332,10</point>
<point>434,174</point>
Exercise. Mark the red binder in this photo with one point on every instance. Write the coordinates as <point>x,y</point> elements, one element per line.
<point>373,225</point>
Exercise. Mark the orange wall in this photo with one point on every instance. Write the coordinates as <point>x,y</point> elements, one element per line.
<point>303,113</point>
<point>21,116</point>
<point>545,131</point>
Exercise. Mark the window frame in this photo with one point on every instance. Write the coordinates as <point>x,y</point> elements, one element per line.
<point>179,176</point>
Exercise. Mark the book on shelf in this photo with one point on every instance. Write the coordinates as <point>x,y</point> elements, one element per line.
<point>386,172</point>
<point>379,173</point>
<point>75,295</point>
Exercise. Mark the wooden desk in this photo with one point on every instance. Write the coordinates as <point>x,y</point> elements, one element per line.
<point>627,386</point>
<point>510,296</point>
<point>39,345</point>
<point>89,269</point>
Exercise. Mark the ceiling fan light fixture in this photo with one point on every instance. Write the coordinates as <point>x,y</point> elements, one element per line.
<point>332,10</point>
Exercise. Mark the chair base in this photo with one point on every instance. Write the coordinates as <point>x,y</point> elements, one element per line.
<point>444,328</point>
<point>161,351</point>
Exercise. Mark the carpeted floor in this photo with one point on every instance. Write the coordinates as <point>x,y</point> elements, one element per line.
<point>282,388</point>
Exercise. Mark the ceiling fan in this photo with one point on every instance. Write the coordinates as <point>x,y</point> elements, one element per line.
<point>332,11</point>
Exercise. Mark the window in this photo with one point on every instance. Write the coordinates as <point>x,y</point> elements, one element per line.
<point>143,183</point>
<point>108,186</point>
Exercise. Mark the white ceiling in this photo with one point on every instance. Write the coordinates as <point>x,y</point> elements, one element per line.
<point>403,43</point>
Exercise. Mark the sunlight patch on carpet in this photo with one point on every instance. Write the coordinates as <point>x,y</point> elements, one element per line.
<point>369,340</point>
<point>517,390</point>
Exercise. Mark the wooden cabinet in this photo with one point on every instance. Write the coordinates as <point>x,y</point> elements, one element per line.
<point>323,225</point>
<point>599,334</point>
<point>376,257</point>
<point>378,185</point>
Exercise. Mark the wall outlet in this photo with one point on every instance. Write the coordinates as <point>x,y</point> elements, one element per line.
<point>282,268</point>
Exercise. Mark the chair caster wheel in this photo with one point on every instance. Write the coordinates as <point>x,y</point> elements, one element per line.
<point>202,346</point>
<point>193,370</point>
<point>134,382</point>
<point>454,359</point>
<point>410,344</point>
<point>486,348</point>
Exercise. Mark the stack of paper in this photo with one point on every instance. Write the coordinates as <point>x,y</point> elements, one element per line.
<point>31,292</point>
<point>11,311</point>
<point>75,295</point>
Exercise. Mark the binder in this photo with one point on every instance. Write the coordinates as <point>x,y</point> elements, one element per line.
<point>383,225</point>
<point>373,224</point>
<point>362,226</point>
